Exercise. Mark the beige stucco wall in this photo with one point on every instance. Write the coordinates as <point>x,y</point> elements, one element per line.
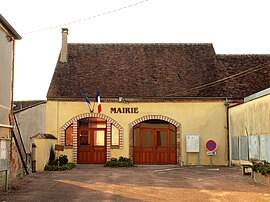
<point>208,119</point>
<point>42,152</point>
<point>31,122</point>
<point>250,118</point>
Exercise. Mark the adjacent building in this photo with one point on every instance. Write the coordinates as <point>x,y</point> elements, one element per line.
<point>250,129</point>
<point>8,152</point>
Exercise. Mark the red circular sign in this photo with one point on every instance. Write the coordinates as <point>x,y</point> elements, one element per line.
<point>211,145</point>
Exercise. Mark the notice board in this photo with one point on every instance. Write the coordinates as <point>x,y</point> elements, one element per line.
<point>254,147</point>
<point>235,148</point>
<point>192,143</point>
<point>244,147</point>
<point>3,154</point>
<point>265,147</point>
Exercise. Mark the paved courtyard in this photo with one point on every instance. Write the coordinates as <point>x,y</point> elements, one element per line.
<point>142,183</point>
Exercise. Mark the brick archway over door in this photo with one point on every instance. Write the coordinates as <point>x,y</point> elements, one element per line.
<point>158,117</point>
<point>74,123</point>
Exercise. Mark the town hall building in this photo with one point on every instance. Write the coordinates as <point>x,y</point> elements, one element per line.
<point>152,98</point>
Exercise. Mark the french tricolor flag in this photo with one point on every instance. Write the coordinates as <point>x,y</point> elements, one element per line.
<point>98,101</point>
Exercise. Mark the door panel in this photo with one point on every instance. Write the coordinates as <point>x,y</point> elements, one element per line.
<point>136,148</point>
<point>99,146</point>
<point>83,146</point>
<point>147,137</point>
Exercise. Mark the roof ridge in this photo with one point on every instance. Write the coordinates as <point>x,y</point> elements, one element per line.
<point>241,55</point>
<point>190,44</point>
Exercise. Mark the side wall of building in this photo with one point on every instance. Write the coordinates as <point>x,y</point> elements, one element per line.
<point>250,118</point>
<point>6,63</point>
<point>34,117</point>
<point>206,118</point>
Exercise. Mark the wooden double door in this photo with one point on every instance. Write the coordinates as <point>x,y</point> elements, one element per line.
<point>154,145</point>
<point>91,145</point>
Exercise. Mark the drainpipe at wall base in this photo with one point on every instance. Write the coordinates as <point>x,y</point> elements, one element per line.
<point>227,104</point>
<point>6,126</point>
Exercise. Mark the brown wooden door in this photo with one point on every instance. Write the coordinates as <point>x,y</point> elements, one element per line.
<point>154,146</point>
<point>92,145</point>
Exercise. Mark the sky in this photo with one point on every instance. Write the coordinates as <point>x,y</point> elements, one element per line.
<point>232,26</point>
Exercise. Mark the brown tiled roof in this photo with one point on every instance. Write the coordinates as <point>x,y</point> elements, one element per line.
<point>252,73</point>
<point>44,136</point>
<point>26,104</point>
<point>155,70</point>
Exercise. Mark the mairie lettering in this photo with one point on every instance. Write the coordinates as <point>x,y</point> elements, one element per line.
<point>125,110</point>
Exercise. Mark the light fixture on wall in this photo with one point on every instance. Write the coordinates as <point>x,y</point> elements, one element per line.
<point>120,99</point>
<point>9,38</point>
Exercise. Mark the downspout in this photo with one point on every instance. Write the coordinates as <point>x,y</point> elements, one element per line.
<point>24,161</point>
<point>227,104</point>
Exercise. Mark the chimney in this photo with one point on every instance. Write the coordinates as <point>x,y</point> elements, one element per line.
<point>63,56</point>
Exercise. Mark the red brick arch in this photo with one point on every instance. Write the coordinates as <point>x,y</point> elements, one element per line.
<point>74,123</point>
<point>151,117</point>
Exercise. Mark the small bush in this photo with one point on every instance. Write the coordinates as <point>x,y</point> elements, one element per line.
<point>122,162</point>
<point>114,159</point>
<point>262,167</point>
<point>63,160</point>
<point>52,156</point>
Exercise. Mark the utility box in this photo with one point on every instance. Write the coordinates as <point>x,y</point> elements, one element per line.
<point>3,154</point>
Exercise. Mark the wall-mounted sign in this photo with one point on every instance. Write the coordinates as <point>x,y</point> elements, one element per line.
<point>125,110</point>
<point>59,147</point>
<point>210,145</point>
<point>211,153</point>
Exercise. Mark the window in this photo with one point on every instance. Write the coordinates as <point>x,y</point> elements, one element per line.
<point>162,138</point>
<point>115,136</point>
<point>99,138</point>
<point>84,137</point>
<point>137,137</point>
<point>68,136</point>
<point>147,138</point>
<point>83,123</point>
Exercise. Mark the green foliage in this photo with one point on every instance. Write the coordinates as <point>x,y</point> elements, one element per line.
<point>114,159</point>
<point>122,162</point>
<point>62,160</point>
<point>67,166</point>
<point>261,167</point>
<point>59,164</point>
<point>52,156</point>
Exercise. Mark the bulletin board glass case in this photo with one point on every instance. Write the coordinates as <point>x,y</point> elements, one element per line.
<point>3,154</point>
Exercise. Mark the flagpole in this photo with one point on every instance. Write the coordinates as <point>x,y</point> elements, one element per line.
<point>93,107</point>
<point>91,111</point>
<point>88,103</point>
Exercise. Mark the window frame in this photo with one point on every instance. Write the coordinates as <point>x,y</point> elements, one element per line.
<point>69,133</point>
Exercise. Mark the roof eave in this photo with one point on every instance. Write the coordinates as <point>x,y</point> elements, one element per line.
<point>9,28</point>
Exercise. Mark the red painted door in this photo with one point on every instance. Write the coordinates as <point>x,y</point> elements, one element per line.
<point>92,145</point>
<point>154,146</point>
